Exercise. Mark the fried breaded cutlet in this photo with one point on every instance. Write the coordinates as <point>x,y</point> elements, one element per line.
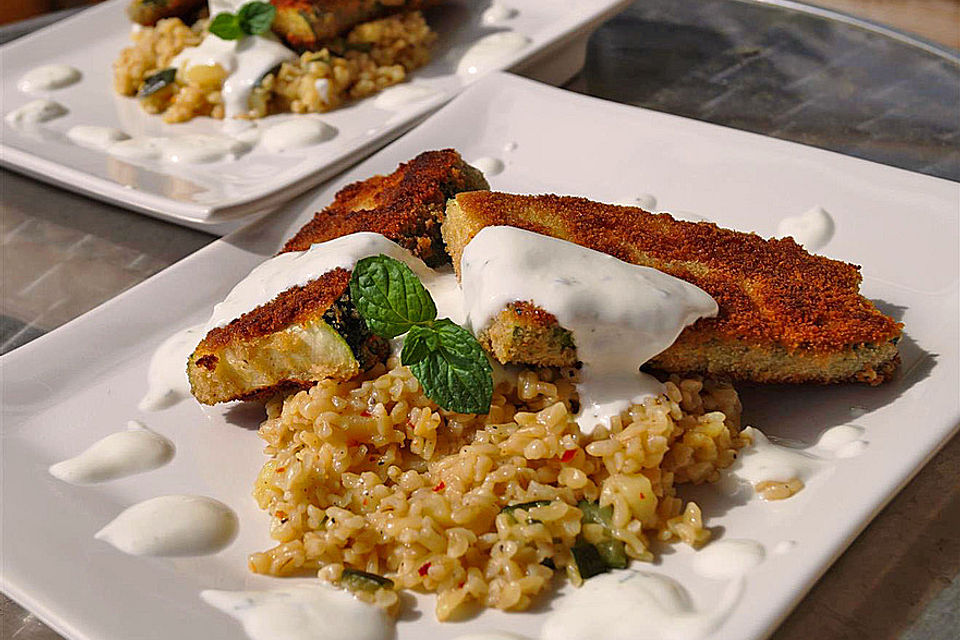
<point>312,24</point>
<point>785,315</point>
<point>406,206</point>
<point>311,332</point>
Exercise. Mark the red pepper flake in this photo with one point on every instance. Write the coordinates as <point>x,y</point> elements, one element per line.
<point>281,469</point>
<point>281,514</point>
<point>365,413</point>
<point>642,497</point>
<point>568,455</point>
<point>352,443</point>
<point>365,501</point>
<point>460,586</point>
<point>440,487</point>
<point>423,570</point>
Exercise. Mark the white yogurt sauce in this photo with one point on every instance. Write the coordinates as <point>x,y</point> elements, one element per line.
<point>125,453</point>
<point>303,612</point>
<point>843,441</point>
<point>167,382</point>
<point>297,268</point>
<point>812,230</point>
<point>784,546</point>
<point>186,149</point>
<point>491,51</point>
<point>726,559</point>
<point>764,461</point>
<point>322,85</point>
<point>35,112</point>
<point>245,60</point>
<point>497,12</point>
<point>48,77</point>
<point>174,525</point>
<point>94,137</point>
<point>632,605</point>
<point>620,314</point>
<point>300,132</point>
<point>139,148</point>
<point>200,148</point>
<point>401,95</point>
<point>489,166</point>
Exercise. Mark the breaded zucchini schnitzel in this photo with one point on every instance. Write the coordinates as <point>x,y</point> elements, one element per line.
<point>313,331</point>
<point>785,315</point>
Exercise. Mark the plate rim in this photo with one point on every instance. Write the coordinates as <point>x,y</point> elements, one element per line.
<point>840,544</point>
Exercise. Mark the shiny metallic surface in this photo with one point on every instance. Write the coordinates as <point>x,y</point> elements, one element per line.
<point>777,68</point>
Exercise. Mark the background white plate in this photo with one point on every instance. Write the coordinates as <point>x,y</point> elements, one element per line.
<point>213,193</point>
<point>83,381</point>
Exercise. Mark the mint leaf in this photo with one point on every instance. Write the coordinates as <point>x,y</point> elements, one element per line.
<point>456,375</point>
<point>226,26</point>
<point>256,17</point>
<point>418,344</point>
<point>389,296</point>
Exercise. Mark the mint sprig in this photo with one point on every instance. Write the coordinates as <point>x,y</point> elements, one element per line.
<point>447,360</point>
<point>252,19</point>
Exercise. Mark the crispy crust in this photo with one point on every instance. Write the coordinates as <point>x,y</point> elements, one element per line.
<point>309,24</point>
<point>295,305</point>
<point>770,292</point>
<point>406,206</point>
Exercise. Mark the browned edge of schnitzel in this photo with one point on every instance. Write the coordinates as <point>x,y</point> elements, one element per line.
<point>406,206</point>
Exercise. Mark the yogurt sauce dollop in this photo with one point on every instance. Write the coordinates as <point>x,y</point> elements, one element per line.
<point>303,612</point>
<point>628,605</point>
<point>176,525</point>
<point>95,137</point>
<point>125,453</point>
<point>620,314</point>
<point>48,77</point>
<point>812,229</point>
<point>490,51</point>
<point>35,112</point>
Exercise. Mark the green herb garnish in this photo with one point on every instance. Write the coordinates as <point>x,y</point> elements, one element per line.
<point>447,360</point>
<point>252,19</point>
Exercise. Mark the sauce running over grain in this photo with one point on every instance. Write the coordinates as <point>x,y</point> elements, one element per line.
<point>245,60</point>
<point>620,314</point>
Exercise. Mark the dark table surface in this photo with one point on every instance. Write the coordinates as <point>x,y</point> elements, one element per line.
<point>815,78</point>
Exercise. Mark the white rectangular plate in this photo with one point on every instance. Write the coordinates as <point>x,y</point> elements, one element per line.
<point>83,381</point>
<point>210,194</point>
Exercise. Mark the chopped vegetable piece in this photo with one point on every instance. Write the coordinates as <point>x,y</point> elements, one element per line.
<point>588,560</point>
<point>593,512</point>
<point>155,82</point>
<point>526,506</point>
<point>613,552</point>
<point>357,580</point>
